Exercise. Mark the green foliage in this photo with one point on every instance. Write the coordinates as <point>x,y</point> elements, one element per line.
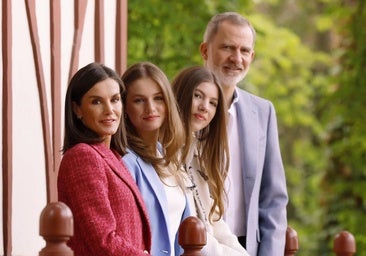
<point>167,33</point>
<point>345,120</point>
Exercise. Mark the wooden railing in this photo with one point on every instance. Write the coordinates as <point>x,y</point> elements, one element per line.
<point>344,244</point>
<point>56,227</point>
<point>192,236</point>
<point>292,242</point>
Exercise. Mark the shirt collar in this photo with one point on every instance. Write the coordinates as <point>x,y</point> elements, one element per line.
<point>235,98</point>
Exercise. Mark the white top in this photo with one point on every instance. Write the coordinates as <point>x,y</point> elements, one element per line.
<point>220,240</point>
<point>176,204</point>
<point>234,213</point>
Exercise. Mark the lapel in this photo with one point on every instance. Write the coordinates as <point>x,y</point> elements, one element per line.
<point>156,185</point>
<point>112,160</point>
<point>117,167</point>
<point>151,181</point>
<point>248,130</point>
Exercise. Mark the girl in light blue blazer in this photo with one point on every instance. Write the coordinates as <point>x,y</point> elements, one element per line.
<point>155,135</point>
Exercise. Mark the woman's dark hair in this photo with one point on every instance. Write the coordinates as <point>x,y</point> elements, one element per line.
<point>80,84</point>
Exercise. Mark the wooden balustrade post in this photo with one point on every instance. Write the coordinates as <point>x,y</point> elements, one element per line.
<point>292,242</point>
<point>56,226</point>
<point>344,244</point>
<point>192,236</point>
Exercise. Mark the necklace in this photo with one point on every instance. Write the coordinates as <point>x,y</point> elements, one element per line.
<point>201,212</point>
<point>202,173</point>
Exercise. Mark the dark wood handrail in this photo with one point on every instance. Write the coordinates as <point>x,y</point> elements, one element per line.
<point>56,226</point>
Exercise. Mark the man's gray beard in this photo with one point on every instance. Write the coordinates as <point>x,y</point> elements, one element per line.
<point>229,81</point>
<point>225,80</point>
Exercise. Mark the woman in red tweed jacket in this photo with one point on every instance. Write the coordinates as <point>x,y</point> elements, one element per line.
<point>109,214</point>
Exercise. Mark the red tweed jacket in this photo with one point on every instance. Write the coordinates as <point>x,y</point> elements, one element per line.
<point>109,214</point>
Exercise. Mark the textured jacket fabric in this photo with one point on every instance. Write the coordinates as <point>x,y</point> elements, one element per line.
<point>220,240</point>
<point>110,218</point>
<point>155,198</point>
<point>263,176</point>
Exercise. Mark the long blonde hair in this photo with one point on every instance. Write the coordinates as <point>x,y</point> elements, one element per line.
<point>171,134</point>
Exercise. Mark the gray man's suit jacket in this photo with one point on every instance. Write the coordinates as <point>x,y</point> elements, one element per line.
<point>264,177</point>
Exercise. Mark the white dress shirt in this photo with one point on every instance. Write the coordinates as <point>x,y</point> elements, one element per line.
<point>234,212</point>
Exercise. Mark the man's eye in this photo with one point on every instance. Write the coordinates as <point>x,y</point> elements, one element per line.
<point>245,51</point>
<point>227,47</point>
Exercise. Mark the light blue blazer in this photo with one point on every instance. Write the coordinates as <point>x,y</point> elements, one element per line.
<point>264,176</point>
<point>153,193</point>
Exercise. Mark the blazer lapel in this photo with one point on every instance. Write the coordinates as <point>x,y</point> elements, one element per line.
<point>248,129</point>
<point>112,160</point>
<point>116,166</point>
<point>155,183</point>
